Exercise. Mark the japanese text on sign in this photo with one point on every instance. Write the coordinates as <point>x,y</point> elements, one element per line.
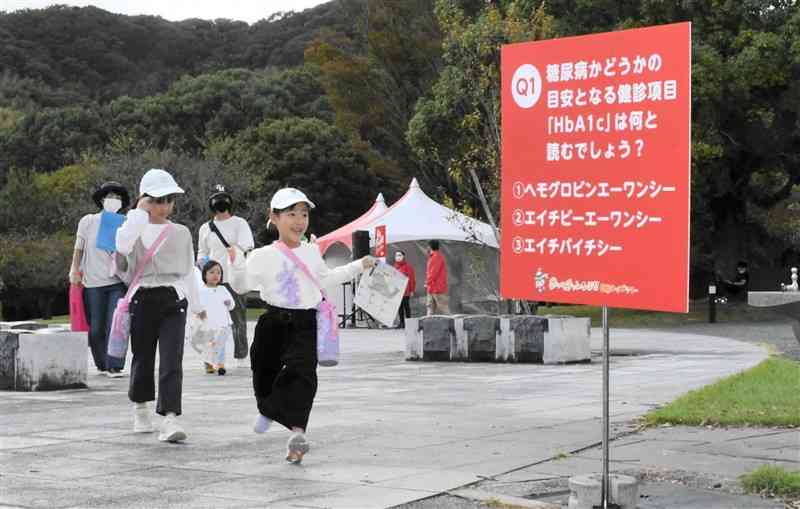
<point>595,160</point>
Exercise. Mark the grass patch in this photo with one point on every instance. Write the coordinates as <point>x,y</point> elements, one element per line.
<point>766,395</point>
<point>56,320</point>
<point>632,318</point>
<point>493,503</point>
<point>771,480</point>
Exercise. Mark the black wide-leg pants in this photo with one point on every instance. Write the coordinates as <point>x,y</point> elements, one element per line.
<point>158,320</point>
<point>283,358</point>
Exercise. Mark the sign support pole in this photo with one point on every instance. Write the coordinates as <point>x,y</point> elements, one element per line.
<point>605,487</point>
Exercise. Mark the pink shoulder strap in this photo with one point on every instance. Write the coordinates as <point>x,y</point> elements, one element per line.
<point>147,257</point>
<point>303,267</point>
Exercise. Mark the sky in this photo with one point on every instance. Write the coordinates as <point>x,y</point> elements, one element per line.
<point>176,10</point>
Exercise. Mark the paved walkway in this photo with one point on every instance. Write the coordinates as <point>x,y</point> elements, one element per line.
<point>384,431</point>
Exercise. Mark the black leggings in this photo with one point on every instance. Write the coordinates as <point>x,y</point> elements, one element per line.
<point>283,358</point>
<point>405,310</point>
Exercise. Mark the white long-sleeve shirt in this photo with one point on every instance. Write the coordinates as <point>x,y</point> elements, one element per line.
<point>236,232</point>
<point>173,262</point>
<point>281,283</point>
<point>214,300</point>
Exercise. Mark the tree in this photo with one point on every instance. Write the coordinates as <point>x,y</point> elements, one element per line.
<point>375,78</point>
<point>455,131</point>
<point>309,154</point>
<point>746,135</point>
<point>51,138</point>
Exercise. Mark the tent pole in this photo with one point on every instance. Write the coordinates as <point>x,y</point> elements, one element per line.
<point>486,210</point>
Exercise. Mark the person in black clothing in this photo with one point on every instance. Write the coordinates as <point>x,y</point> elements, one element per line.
<point>737,288</point>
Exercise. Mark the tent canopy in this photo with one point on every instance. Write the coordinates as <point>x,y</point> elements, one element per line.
<point>344,234</point>
<point>416,216</point>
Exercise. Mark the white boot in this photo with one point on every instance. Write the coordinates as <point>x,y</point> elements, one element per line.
<point>141,419</point>
<point>171,431</point>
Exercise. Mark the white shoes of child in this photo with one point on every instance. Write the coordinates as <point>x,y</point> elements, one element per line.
<point>262,424</point>
<point>141,419</point>
<point>296,447</point>
<point>171,431</point>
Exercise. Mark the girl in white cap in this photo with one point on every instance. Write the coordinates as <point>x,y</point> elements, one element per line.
<point>163,252</point>
<point>283,355</point>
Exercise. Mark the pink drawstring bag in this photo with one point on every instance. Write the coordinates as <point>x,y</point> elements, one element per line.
<point>327,320</point>
<point>121,321</point>
<point>77,313</point>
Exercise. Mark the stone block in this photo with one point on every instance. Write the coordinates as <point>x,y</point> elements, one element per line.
<point>480,332</point>
<point>42,361</point>
<point>521,338</point>
<point>585,491</point>
<point>567,339</point>
<point>22,326</point>
<point>438,337</point>
<point>413,333</point>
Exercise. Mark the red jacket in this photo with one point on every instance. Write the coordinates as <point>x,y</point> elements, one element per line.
<point>408,270</point>
<point>436,278</point>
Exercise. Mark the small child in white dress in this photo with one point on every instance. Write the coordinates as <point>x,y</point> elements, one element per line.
<point>218,303</point>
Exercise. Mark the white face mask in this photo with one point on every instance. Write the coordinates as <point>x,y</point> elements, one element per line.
<point>399,258</point>
<point>112,204</point>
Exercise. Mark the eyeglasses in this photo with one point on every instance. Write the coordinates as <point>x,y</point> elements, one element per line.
<point>164,199</point>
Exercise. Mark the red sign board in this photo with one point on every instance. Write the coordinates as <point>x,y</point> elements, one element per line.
<point>596,169</point>
<point>380,241</point>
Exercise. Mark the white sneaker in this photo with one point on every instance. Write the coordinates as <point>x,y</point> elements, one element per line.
<point>141,420</point>
<point>242,363</point>
<point>171,431</point>
<point>115,373</point>
<point>296,447</point>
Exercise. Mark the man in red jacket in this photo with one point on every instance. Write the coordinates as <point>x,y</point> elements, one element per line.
<point>436,282</point>
<point>403,266</point>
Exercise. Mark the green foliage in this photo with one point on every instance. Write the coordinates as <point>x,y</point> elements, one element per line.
<point>772,480</point>
<point>309,154</point>
<point>375,78</point>
<point>32,203</point>
<point>456,128</point>
<point>98,55</point>
<point>38,263</point>
<point>198,109</point>
<point>50,138</point>
<point>192,112</point>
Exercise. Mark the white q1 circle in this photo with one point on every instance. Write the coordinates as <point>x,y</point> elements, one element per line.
<point>526,86</point>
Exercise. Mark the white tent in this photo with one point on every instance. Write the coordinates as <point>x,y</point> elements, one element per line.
<point>469,247</point>
<point>336,248</point>
<point>344,234</point>
<point>416,216</point>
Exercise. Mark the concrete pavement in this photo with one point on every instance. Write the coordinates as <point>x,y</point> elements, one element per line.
<point>384,431</point>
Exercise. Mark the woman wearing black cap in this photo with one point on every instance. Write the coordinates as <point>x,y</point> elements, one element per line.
<point>218,240</point>
<point>92,267</point>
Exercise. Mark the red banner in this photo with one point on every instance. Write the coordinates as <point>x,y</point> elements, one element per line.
<point>596,169</point>
<point>380,241</point>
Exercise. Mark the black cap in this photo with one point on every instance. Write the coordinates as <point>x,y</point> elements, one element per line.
<point>220,196</point>
<point>111,187</point>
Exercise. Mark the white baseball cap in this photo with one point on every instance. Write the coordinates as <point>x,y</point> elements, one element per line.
<point>158,183</point>
<point>288,196</point>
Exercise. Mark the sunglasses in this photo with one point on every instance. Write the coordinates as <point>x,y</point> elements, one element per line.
<point>164,199</point>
